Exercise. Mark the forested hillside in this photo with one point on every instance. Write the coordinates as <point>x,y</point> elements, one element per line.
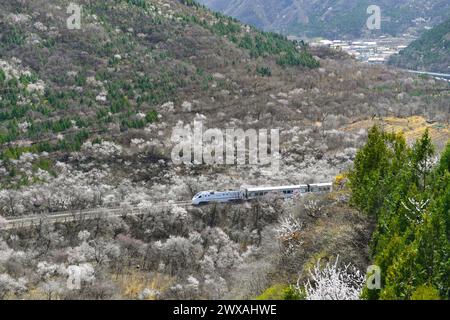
<point>431,52</point>
<point>407,190</point>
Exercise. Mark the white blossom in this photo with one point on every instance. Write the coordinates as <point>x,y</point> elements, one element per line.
<point>83,273</point>
<point>288,225</point>
<point>9,285</point>
<point>334,283</point>
<point>103,150</point>
<point>38,87</point>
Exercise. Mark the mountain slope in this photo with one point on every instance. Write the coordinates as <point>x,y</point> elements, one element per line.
<point>136,68</point>
<point>333,18</point>
<point>431,52</point>
<point>128,58</point>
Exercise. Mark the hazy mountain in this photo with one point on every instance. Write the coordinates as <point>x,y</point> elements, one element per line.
<point>333,18</point>
<point>431,52</point>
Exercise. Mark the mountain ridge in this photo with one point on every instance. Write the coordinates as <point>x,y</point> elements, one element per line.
<point>334,19</point>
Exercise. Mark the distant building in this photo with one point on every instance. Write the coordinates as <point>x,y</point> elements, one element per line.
<point>376,60</point>
<point>369,51</point>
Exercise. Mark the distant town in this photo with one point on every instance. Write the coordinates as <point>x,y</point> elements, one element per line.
<point>374,51</point>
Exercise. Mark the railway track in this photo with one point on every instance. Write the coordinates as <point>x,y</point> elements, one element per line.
<point>89,214</point>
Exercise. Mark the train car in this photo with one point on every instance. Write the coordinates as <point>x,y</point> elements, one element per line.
<point>283,191</point>
<point>205,197</point>
<point>320,187</point>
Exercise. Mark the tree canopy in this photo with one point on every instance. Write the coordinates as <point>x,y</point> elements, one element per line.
<point>407,190</point>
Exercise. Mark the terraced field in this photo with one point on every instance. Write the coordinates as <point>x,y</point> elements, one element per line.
<point>412,127</point>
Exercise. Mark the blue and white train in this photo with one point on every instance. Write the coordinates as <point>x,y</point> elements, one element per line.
<point>205,197</point>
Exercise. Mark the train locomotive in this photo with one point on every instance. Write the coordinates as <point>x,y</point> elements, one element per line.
<point>244,194</point>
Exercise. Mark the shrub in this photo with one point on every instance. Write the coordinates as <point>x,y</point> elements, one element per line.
<point>264,71</point>
<point>425,292</point>
<point>409,197</point>
<point>151,116</point>
<point>137,3</point>
<point>2,76</point>
<point>190,3</point>
<point>281,292</point>
<point>303,58</point>
<point>275,292</point>
<point>12,36</point>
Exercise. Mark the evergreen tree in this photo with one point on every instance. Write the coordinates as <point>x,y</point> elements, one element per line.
<point>410,198</point>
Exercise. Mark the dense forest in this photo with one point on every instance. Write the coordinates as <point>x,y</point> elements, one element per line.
<point>407,190</point>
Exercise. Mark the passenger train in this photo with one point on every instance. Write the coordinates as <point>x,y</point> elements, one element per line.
<point>205,197</point>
